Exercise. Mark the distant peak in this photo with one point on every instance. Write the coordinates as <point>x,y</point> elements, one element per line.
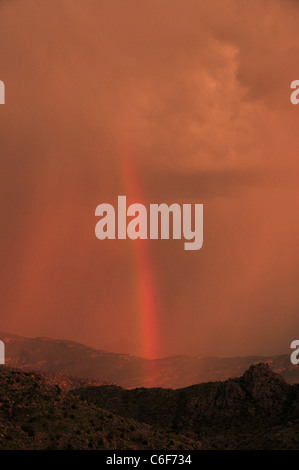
<point>261,382</point>
<point>261,370</point>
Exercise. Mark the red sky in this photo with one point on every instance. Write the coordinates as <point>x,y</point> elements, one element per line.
<point>165,101</point>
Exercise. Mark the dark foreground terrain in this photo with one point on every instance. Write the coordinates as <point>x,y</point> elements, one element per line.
<point>257,411</point>
<point>40,412</point>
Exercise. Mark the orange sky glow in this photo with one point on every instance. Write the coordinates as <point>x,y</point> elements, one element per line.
<point>169,101</point>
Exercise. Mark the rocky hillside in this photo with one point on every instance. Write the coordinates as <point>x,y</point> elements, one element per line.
<point>38,413</point>
<point>257,411</point>
<point>77,360</point>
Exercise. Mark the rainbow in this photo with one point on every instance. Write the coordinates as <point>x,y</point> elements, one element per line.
<point>146,299</point>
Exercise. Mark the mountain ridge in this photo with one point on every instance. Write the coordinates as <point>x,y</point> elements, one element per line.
<point>36,414</point>
<point>258,410</point>
<point>252,411</point>
<point>74,359</point>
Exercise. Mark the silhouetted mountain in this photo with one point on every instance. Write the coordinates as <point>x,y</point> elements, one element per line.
<point>36,413</point>
<point>257,411</point>
<point>74,359</point>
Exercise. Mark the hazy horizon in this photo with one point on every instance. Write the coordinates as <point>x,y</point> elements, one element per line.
<point>2,338</point>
